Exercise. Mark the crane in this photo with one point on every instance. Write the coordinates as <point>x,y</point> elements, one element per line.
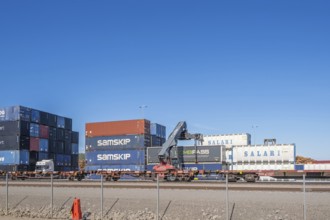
<point>180,132</point>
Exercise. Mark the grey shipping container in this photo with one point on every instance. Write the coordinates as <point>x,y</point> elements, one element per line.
<point>14,128</point>
<point>60,122</point>
<point>52,120</point>
<point>12,168</point>
<point>15,113</point>
<point>14,142</point>
<point>188,154</point>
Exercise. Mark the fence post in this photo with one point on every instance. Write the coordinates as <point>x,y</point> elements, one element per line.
<point>227,202</point>
<point>304,192</point>
<point>52,194</point>
<point>101,196</point>
<point>157,197</point>
<point>7,194</point>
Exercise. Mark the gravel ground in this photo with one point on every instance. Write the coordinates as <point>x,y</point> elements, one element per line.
<point>34,203</point>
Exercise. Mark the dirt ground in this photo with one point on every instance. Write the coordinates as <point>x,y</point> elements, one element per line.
<point>34,203</point>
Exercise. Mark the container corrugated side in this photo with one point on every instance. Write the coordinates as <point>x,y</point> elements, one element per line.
<point>14,128</point>
<point>14,157</point>
<point>15,113</point>
<point>121,142</point>
<point>14,142</point>
<point>115,157</point>
<point>186,154</point>
<point>113,128</point>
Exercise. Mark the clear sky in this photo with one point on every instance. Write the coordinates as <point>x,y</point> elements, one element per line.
<point>222,66</point>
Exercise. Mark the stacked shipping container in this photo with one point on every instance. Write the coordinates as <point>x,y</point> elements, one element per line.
<point>187,157</point>
<point>117,145</point>
<point>28,135</point>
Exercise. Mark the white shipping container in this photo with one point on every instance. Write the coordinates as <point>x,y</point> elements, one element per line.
<point>323,166</point>
<point>263,167</point>
<point>264,153</point>
<point>227,139</point>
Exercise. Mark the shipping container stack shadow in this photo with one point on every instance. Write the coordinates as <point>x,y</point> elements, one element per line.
<point>120,145</point>
<point>28,135</point>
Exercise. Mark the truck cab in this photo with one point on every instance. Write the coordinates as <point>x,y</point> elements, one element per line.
<point>45,166</point>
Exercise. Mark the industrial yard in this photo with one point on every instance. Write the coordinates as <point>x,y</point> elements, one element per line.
<point>140,203</point>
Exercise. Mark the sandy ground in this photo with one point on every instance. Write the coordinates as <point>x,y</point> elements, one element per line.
<point>34,203</point>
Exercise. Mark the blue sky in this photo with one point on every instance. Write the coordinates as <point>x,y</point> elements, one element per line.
<point>222,66</point>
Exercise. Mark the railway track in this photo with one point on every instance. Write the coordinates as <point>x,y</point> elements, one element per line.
<point>261,186</point>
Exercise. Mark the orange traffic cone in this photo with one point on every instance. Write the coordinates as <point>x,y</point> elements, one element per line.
<point>76,210</point>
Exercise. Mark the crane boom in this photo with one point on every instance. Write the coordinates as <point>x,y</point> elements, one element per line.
<point>180,132</point>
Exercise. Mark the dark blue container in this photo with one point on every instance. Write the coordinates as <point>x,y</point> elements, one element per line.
<point>52,133</point>
<point>67,160</point>
<point>299,167</point>
<point>74,148</point>
<point>123,142</point>
<point>75,137</point>
<point>13,168</point>
<point>74,160</point>
<point>14,157</point>
<point>43,145</point>
<point>59,159</point>
<point>8,128</point>
<point>44,118</point>
<point>157,141</point>
<point>14,142</point>
<point>203,166</point>
<point>68,123</point>
<point>116,168</point>
<point>67,135</point>
<point>67,147</point>
<point>52,120</point>
<point>43,156</point>
<point>15,113</point>
<point>116,157</point>
<point>52,146</point>
<point>34,130</point>
<point>158,130</point>
<point>60,147</point>
<point>60,122</point>
<point>60,134</point>
<point>35,116</point>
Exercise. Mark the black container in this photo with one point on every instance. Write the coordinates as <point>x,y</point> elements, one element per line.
<point>75,137</point>
<point>52,120</point>
<point>60,147</point>
<point>52,146</point>
<point>33,158</point>
<point>10,168</point>
<point>44,118</point>
<point>67,135</point>
<point>68,124</point>
<point>14,142</point>
<point>74,160</point>
<point>14,128</point>
<point>52,133</point>
<point>60,134</point>
<point>67,147</point>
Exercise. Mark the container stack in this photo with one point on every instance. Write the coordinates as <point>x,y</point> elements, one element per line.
<point>28,135</point>
<point>117,145</point>
<point>158,134</point>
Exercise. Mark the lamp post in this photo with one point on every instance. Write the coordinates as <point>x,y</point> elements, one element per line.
<point>254,133</point>
<point>142,107</point>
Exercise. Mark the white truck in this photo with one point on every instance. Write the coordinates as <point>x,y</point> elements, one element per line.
<point>45,166</point>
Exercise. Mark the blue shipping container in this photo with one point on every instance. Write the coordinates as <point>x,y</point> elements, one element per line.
<point>116,157</point>
<point>14,157</point>
<point>67,160</point>
<point>59,160</point>
<point>43,145</point>
<point>60,122</point>
<point>43,156</point>
<point>74,148</point>
<point>116,168</point>
<point>158,130</point>
<point>121,142</point>
<point>299,167</point>
<point>35,116</point>
<point>34,130</point>
<point>15,113</point>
